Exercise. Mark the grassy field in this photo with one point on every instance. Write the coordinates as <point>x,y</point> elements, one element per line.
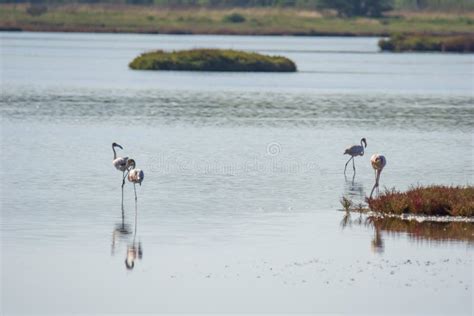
<point>256,21</point>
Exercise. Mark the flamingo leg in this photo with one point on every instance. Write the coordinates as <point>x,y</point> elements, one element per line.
<point>122,201</point>
<point>353,165</point>
<point>123,181</point>
<point>123,213</point>
<point>135,189</point>
<point>345,167</point>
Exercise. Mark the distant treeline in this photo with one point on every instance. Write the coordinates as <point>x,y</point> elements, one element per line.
<point>434,5</point>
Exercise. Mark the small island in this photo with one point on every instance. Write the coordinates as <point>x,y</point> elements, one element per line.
<point>435,200</point>
<point>212,60</point>
<point>428,43</point>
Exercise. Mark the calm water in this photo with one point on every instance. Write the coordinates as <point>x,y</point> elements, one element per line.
<point>239,208</point>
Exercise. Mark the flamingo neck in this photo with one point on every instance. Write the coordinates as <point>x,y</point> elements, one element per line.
<point>379,171</point>
<point>115,154</point>
<point>376,184</point>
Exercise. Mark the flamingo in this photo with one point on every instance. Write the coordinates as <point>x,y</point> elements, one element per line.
<point>378,163</point>
<point>134,175</point>
<point>354,151</point>
<point>120,163</point>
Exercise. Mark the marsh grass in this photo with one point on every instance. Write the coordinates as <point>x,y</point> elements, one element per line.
<point>212,60</point>
<point>432,201</point>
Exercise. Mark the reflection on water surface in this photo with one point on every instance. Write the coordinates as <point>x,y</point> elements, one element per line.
<point>420,231</point>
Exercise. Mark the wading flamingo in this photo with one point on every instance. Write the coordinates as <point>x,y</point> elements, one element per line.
<point>354,151</point>
<point>120,163</point>
<point>134,175</point>
<point>378,163</point>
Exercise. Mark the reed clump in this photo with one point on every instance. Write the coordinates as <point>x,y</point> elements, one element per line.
<point>212,60</point>
<point>433,200</point>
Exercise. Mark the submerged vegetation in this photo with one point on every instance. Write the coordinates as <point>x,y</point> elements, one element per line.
<point>432,200</point>
<point>212,60</point>
<point>401,43</point>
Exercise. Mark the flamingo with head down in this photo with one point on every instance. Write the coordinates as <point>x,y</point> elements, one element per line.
<point>134,175</point>
<point>378,163</point>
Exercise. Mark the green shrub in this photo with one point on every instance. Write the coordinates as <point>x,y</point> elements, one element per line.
<point>36,9</point>
<point>234,18</point>
<point>212,60</point>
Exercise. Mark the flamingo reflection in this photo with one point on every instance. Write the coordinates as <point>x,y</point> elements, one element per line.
<point>354,189</point>
<point>377,243</point>
<point>121,231</point>
<point>134,249</point>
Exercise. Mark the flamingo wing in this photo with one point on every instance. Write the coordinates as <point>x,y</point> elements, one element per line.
<point>120,163</point>
<point>355,150</point>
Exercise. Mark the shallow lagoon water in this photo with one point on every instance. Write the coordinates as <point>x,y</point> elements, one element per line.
<point>239,208</point>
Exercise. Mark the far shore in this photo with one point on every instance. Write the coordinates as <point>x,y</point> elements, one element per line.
<point>100,18</point>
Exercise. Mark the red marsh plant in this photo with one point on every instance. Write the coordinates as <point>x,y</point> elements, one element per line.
<point>431,200</point>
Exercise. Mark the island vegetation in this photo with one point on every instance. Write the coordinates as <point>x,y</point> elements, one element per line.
<point>245,17</point>
<point>422,42</point>
<point>432,200</point>
<point>212,60</point>
<point>435,200</point>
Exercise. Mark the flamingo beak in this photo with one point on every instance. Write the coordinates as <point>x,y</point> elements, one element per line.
<point>117,145</point>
